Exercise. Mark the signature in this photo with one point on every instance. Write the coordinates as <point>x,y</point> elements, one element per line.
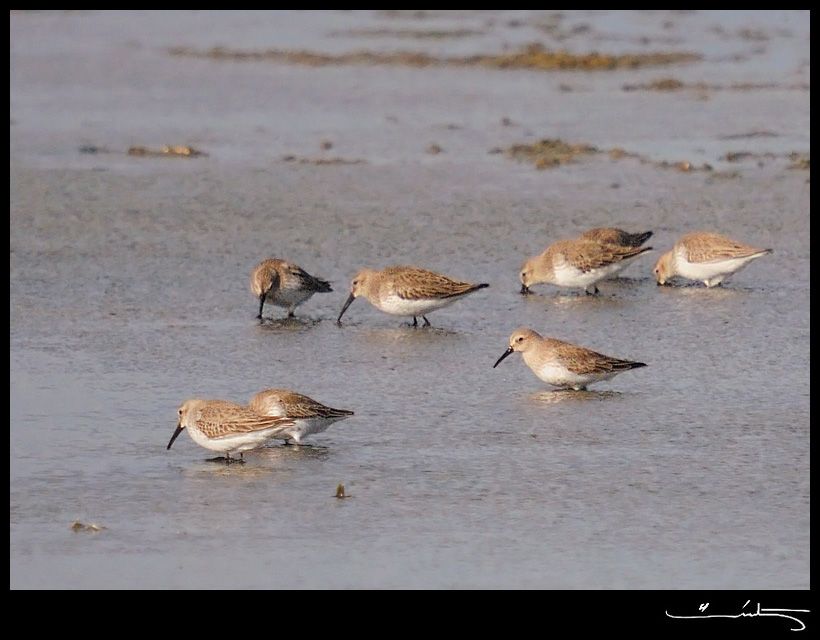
<point>772,613</point>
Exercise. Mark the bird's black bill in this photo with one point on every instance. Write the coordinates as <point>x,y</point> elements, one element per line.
<point>497,362</point>
<point>350,300</point>
<point>261,305</point>
<point>174,437</point>
<point>524,289</point>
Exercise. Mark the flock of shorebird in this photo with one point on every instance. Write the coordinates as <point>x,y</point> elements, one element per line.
<point>411,292</point>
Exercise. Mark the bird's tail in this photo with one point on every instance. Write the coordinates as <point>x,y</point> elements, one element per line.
<point>637,239</point>
<point>322,286</point>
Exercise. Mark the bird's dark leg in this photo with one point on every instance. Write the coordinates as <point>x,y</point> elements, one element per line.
<point>426,321</point>
<point>229,460</point>
<point>415,322</point>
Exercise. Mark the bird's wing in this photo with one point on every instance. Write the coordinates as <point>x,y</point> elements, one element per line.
<point>712,247</point>
<point>222,419</point>
<point>412,283</point>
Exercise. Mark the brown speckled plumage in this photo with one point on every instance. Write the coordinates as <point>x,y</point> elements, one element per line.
<point>612,235</point>
<point>584,361</point>
<point>704,246</point>
<point>219,418</point>
<point>293,405</point>
<point>413,283</point>
<point>587,255</point>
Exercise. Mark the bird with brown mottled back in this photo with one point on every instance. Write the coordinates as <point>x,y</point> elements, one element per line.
<point>226,427</point>
<point>707,257</point>
<point>563,364</point>
<point>308,415</point>
<point>284,284</point>
<point>407,291</point>
<point>577,263</point>
<point>612,235</point>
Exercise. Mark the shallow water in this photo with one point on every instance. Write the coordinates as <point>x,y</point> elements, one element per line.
<point>129,294</point>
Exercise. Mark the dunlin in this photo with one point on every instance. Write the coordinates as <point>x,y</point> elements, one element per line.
<point>562,364</point>
<point>226,427</point>
<point>308,415</point>
<point>284,284</point>
<point>704,256</point>
<point>407,291</point>
<point>611,235</point>
<point>577,263</point>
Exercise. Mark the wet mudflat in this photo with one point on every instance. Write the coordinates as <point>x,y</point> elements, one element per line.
<point>129,294</point>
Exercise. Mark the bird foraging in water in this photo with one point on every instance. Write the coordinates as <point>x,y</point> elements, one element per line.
<point>708,257</point>
<point>562,364</point>
<point>577,263</point>
<point>226,427</point>
<point>284,284</point>
<point>407,291</point>
<point>308,415</point>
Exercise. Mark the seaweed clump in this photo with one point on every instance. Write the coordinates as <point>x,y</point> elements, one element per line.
<point>550,152</point>
<point>534,56</point>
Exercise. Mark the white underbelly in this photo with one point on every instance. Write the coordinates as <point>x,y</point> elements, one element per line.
<point>568,276</point>
<point>305,427</point>
<point>559,376</point>
<point>233,443</point>
<point>397,306</point>
<point>709,270</point>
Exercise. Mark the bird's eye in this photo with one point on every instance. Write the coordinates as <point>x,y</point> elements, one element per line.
<point>521,339</point>
<point>179,412</point>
